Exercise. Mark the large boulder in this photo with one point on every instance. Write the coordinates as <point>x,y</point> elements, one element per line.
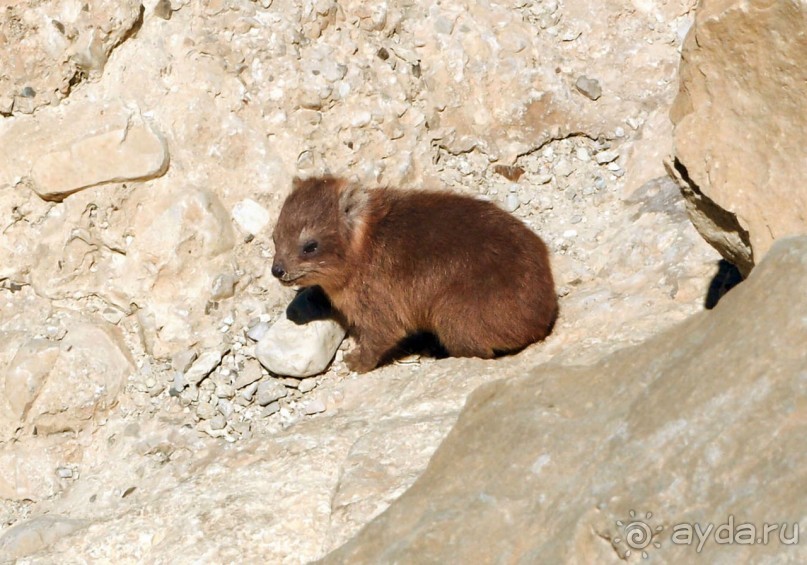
<point>741,125</point>
<point>58,385</point>
<point>702,425</point>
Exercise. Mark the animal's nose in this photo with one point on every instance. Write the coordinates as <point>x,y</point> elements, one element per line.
<point>277,270</point>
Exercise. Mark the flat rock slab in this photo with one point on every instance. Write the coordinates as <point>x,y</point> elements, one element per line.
<point>135,152</point>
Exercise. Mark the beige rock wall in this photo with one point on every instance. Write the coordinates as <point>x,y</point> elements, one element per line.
<point>48,48</point>
<point>700,424</point>
<point>740,121</point>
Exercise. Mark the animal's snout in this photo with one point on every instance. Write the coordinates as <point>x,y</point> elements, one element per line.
<point>278,271</point>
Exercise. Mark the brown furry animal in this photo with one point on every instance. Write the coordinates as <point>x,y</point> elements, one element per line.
<point>396,262</point>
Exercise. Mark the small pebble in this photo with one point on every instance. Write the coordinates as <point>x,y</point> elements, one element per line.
<point>178,384</point>
<point>511,203</point>
<point>112,315</point>
<point>605,157</point>
<point>271,408</point>
<point>203,366</point>
<point>589,87</point>
<point>290,382</point>
<point>225,391</point>
<point>249,374</point>
<point>314,407</point>
<point>307,385</point>
<point>189,395</point>
<point>205,411</point>
<point>361,119</point>
<point>183,360</point>
<point>269,391</point>
<point>249,392</point>
<point>225,407</point>
<point>223,287</point>
<point>217,422</point>
<point>64,472</point>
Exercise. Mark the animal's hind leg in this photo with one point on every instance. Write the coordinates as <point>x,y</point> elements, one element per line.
<point>464,346</point>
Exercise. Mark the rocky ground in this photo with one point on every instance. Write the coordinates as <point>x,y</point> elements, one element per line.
<point>147,152</point>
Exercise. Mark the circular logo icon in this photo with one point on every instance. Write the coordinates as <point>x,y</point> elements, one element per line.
<point>638,535</point>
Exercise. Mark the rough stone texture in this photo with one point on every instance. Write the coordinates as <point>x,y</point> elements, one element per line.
<point>740,121</point>
<point>48,48</point>
<point>700,423</point>
<point>61,384</point>
<point>57,386</point>
<point>35,535</point>
<point>270,391</point>
<point>299,350</point>
<point>203,366</point>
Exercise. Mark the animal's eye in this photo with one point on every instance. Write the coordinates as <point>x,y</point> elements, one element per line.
<point>310,247</point>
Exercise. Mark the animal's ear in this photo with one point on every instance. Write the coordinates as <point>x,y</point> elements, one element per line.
<point>353,203</point>
<point>322,184</point>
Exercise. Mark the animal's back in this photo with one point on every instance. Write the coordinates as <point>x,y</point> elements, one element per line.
<point>462,268</point>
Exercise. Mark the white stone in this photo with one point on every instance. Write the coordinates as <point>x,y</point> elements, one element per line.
<point>256,332</point>
<point>203,366</point>
<point>511,203</point>
<point>604,157</point>
<point>307,385</point>
<point>250,216</point>
<point>299,350</point>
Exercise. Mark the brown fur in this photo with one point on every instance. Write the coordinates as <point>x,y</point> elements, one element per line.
<point>396,262</point>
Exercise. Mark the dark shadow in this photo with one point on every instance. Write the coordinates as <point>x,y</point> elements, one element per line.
<point>311,303</point>
<point>727,277</point>
<point>421,343</point>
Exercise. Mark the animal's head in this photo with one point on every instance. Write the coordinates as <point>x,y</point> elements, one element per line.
<point>319,223</point>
